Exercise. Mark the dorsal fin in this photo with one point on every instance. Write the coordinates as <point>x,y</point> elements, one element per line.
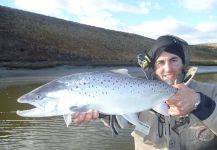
<point>122,71</point>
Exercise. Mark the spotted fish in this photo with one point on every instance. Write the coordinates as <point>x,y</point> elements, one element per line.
<point>108,92</point>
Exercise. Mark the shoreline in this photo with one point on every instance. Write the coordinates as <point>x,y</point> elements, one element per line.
<point>53,64</point>
<point>22,76</point>
<point>9,77</point>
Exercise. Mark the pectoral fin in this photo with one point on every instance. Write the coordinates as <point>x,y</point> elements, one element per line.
<point>162,108</point>
<point>67,119</point>
<point>82,108</point>
<point>140,126</point>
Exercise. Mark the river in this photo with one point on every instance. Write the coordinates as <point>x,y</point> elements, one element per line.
<point>51,133</point>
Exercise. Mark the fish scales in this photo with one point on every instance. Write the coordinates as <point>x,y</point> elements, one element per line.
<point>106,92</point>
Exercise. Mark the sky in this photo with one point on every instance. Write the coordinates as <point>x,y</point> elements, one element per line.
<point>192,20</point>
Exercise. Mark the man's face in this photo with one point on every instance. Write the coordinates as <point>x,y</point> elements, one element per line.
<point>168,66</point>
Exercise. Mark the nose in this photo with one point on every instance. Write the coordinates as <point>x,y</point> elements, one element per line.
<point>167,66</point>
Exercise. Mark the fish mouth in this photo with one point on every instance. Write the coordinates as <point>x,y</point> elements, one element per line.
<point>31,102</point>
<point>36,111</point>
<point>23,100</point>
<point>33,112</point>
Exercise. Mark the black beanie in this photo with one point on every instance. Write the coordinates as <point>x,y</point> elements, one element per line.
<point>175,49</point>
<point>168,44</point>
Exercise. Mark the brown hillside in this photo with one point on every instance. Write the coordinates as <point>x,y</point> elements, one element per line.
<point>27,39</point>
<point>204,52</point>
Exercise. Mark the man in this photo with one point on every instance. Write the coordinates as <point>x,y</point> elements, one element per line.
<point>192,121</point>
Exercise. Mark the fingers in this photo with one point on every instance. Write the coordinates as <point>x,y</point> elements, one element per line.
<point>172,101</point>
<point>95,115</point>
<point>175,111</point>
<point>85,117</point>
<point>182,103</point>
<point>176,107</point>
<point>178,86</point>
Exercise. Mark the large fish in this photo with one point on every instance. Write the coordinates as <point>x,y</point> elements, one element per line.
<point>106,92</point>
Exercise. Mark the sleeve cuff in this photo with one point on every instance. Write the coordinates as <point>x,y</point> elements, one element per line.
<point>205,108</point>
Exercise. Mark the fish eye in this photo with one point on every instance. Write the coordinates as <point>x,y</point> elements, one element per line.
<point>38,96</point>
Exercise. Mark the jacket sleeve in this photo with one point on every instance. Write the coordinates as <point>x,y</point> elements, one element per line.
<point>207,110</point>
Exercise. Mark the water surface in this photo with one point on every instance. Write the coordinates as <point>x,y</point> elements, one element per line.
<point>51,133</point>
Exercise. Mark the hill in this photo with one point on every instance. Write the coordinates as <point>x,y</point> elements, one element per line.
<point>205,54</point>
<point>33,40</point>
<point>27,37</point>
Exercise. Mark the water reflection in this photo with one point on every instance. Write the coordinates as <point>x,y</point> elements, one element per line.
<point>49,133</point>
<point>52,133</point>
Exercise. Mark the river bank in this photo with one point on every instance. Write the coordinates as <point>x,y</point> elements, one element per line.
<point>10,76</point>
<point>53,64</point>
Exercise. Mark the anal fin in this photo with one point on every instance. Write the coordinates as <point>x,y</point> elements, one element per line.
<point>140,126</point>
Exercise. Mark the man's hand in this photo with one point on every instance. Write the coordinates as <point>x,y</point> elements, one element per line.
<point>85,117</point>
<point>183,102</point>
